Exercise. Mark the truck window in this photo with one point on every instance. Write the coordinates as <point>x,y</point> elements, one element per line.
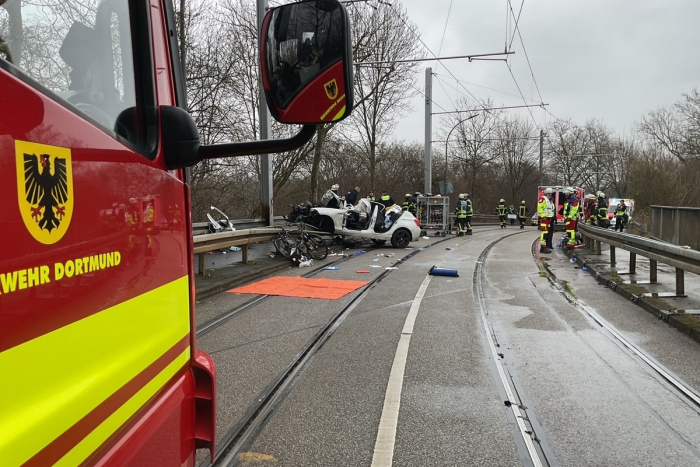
<point>79,54</point>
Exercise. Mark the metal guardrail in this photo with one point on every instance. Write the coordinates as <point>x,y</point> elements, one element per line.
<point>242,238</point>
<point>200,228</point>
<point>657,251</point>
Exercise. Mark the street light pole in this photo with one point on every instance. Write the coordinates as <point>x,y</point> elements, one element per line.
<point>448,138</point>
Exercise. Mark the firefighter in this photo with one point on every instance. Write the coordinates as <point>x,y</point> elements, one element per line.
<point>461,211</point>
<point>386,199</point>
<point>148,219</point>
<point>406,202</point>
<point>370,195</point>
<point>523,213</point>
<point>545,212</point>
<point>132,219</point>
<point>572,212</point>
<point>470,213</point>
<point>501,211</point>
<point>413,206</point>
<point>331,199</point>
<point>602,210</point>
<point>590,210</point>
<point>621,216</point>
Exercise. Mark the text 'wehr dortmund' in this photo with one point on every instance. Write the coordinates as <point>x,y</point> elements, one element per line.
<point>31,277</point>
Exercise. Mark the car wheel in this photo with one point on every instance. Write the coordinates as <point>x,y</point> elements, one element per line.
<point>401,238</point>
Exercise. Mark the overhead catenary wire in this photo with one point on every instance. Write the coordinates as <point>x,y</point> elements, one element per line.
<point>522,43</point>
<point>449,10</point>
<point>440,77</point>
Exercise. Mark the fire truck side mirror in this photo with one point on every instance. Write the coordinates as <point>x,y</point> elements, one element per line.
<point>306,62</point>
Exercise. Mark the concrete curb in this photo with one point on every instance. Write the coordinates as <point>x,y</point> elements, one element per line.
<point>673,319</point>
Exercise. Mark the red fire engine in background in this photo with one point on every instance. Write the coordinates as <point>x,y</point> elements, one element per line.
<point>97,334</point>
<point>558,199</point>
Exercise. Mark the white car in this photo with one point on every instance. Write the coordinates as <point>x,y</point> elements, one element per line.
<point>368,220</point>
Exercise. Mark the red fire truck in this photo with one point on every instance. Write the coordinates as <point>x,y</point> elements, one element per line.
<point>97,335</point>
<point>559,198</point>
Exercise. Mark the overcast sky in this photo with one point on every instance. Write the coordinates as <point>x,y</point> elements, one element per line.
<point>612,60</point>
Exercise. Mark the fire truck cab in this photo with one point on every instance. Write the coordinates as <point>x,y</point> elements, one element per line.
<point>559,198</point>
<point>97,328</point>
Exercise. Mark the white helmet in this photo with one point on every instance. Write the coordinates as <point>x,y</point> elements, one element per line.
<point>408,195</point>
<point>601,195</point>
<point>501,200</point>
<point>569,190</point>
<point>466,195</point>
<point>522,202</point>
<point>548,191</point>
<point>461,196</point>
<point>335,187</point>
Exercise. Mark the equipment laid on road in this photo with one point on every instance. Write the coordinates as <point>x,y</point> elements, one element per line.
<point>435,271</point>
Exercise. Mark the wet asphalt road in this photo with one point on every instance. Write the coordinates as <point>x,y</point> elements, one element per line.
<point>590,400</point>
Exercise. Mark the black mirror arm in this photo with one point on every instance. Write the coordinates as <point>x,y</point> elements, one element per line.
<point>251,148</point>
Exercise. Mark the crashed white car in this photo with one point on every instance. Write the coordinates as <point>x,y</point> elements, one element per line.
<point>368,220</point>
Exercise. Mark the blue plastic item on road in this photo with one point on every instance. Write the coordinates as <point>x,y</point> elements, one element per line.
<point>434,271</point>
<point>332,268</point>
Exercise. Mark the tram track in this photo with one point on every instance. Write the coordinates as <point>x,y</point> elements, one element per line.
<point>213,323</point>
<point>686,392</point>
<point>243,433</point>
<point>526,430</point>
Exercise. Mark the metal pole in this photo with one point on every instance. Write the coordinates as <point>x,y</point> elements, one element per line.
<point>541,157</point>
<point>428,169</point>
<point>266,195</point>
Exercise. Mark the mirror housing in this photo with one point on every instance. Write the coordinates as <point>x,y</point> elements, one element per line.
<point>307,75</point>
<point>306,62</point>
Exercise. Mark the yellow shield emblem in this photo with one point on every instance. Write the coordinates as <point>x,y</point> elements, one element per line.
<point>331,88</point>
<point>44,189</point>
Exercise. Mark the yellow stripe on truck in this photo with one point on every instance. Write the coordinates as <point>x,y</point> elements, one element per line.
<point>58,378</point>
<point>95,439</point>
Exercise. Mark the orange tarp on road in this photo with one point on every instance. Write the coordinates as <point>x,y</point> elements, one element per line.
<point>331,289</point>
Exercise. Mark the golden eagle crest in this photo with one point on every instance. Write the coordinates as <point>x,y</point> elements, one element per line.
<point>331,88</point>
<point>44,189</point>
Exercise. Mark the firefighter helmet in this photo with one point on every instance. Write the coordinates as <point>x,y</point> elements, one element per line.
<point>461,196</point>
<point>501,200</point>
<point>335,187</point>
<point>408,195</point>
<point>569,190</point>
<point>548,191</point>
<point>601,195</point>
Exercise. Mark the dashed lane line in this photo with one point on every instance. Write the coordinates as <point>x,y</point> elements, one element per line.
<point>386,436</point>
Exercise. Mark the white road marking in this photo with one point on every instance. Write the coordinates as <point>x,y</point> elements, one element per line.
<point>386,436</point>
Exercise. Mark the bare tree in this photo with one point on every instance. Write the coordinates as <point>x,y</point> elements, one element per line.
<point>386,36</point>
<point>473,149</point>
<point>517,151</point>
<point>564,143</point>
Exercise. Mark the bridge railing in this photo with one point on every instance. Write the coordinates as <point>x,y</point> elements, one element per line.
<point>657,251</point>
<point>240,238</point>
<point>677,225</point>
